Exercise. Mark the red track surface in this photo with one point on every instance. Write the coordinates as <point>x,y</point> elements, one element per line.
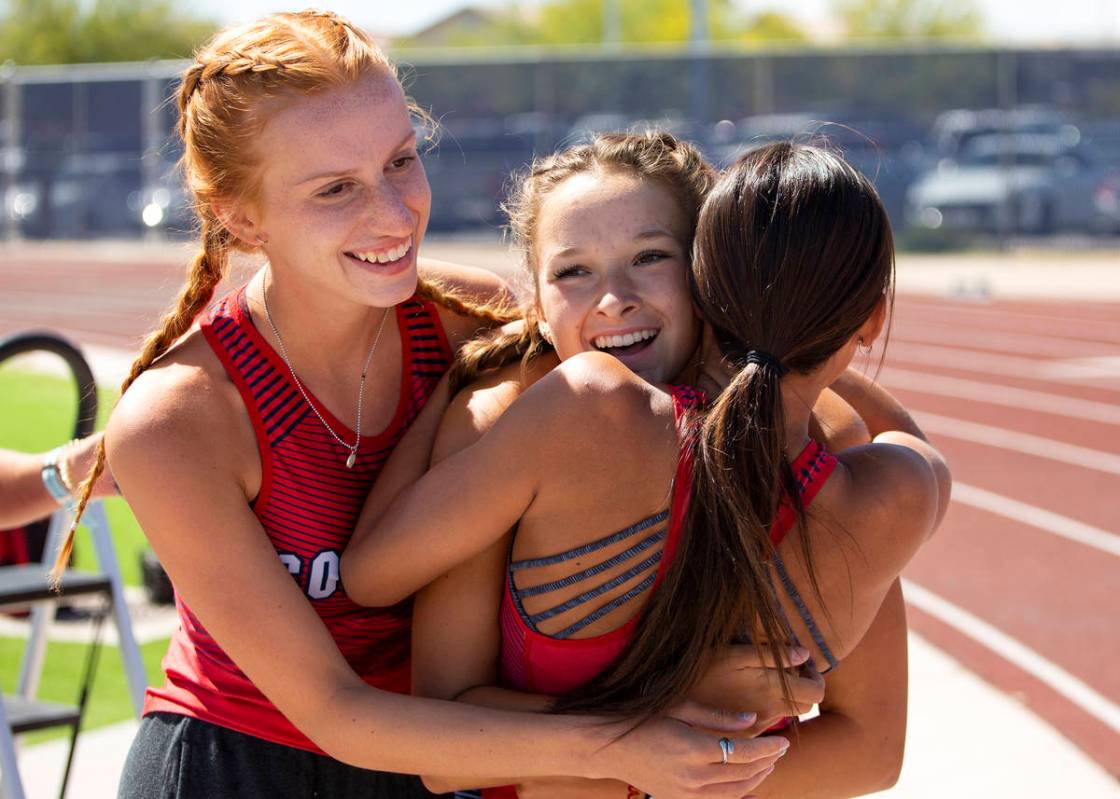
<point>1056,596</point>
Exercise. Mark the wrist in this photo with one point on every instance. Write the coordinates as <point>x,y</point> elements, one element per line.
<point>54,473</point>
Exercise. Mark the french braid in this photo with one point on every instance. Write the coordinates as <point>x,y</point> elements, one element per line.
<point>288,52</point>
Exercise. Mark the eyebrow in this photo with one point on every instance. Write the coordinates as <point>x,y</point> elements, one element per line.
<point>645,235</point>
<point>335,173</point>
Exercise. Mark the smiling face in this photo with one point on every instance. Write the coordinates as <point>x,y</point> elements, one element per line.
<point>343,200</point>
<point>612,272</point>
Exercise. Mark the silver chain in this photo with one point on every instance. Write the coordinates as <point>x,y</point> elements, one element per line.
<point>353,448</point>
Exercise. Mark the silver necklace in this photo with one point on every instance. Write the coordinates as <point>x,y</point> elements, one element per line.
<point>353,448</point>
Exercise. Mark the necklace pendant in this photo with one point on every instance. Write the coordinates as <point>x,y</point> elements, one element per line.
<point>352,459</point>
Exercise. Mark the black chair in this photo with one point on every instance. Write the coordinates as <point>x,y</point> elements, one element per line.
<point>26,587</point>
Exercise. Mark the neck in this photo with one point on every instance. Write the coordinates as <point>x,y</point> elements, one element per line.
<point>799,394</point>
<point>314,326</point>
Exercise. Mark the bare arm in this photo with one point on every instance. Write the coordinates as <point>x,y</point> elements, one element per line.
<point>170,417</point>
<point>409,461</point>
<point>889,423</point>
<point>24,498</point>
<point>855,745</point>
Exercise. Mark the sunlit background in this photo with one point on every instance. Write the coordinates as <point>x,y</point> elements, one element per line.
<point>981,121</point>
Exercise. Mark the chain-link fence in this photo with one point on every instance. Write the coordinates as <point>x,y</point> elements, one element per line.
<point>960,142</point>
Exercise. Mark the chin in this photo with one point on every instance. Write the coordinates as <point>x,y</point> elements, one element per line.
<point>383,292</point>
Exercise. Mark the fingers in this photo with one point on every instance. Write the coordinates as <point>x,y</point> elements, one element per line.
<point>806,691</point>
<point>749,656</point>
<point>695,714</point>
<point>747,751</point>
<point>751,762</point>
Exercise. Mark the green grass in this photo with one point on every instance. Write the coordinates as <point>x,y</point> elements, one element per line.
<point>37,413</point>
<point>109,701</point>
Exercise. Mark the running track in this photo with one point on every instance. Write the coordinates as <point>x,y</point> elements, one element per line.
<point>1021,584</point>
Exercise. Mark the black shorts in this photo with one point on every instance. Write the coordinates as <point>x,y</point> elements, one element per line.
<point>178,757</point>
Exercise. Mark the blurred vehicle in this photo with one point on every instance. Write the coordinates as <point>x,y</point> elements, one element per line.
<point>1029,183</point>
<point>888,149</point>
<point>89,196</point>
<point>953,132</point>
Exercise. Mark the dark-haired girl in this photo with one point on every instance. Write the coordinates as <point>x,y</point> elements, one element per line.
<point>655,524</point>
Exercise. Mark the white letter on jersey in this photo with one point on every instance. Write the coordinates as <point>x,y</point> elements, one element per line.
<point>324,575</point>
<point>291,563</point>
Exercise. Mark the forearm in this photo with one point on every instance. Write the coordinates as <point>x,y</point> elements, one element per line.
<point>25,498</point>
<point>833,756</point>
<point>507,699</point>
<point>408,734</point>
<point>880,411</point>
<point>490,696</point>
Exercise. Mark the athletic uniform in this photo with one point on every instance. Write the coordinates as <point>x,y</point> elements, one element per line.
<point>535,662</point>
<point>308,505</point>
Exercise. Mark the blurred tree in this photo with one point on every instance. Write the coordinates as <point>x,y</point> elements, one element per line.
<point>73,31</point>
<point>642,21</point>
<point>910,19</point>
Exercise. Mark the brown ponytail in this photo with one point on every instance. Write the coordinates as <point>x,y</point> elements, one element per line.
<point>793,254</point>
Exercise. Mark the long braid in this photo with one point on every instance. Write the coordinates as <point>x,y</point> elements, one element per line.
<point>497,311</point>
<point>207,270</point>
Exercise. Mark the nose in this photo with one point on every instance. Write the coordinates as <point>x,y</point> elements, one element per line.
<point>619,296</point>
<point>388,210</point>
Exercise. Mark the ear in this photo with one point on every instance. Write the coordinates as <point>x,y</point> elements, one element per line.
<point>240,219</point>
<point>873,325</point>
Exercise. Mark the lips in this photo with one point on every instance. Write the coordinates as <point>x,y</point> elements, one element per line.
<point>389,259</point>
<point>631,341</point>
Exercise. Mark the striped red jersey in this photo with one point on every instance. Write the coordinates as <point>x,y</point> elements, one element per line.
<point>308,505</point>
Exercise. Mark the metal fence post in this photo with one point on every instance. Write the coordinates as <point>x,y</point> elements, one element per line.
<point>12,155</point>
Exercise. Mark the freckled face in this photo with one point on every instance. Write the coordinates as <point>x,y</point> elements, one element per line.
<point>612,272</point>
<point>343,198</point>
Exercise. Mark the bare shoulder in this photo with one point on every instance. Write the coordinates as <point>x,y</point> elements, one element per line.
<point>476,408</point>
<point>478,284</point>
<point>597,390</point>
<point>182,408</point>
<point>475,285</point>
<point>895,492</point>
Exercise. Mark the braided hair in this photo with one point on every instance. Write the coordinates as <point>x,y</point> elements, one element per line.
<point>218,100</point>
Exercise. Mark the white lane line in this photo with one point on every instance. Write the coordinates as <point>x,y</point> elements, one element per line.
<point>1072,372</point>
<point>1015,343</point>
<point>1026,443</point>
<point>1016,653</point>
<point>1001,395</point>
<point>1040,518</point>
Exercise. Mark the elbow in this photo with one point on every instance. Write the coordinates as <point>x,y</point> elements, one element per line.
<point>438,785</point>
<point>890,752</point>
<point>367,586</point>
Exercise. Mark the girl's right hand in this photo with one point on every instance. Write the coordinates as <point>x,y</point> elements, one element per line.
<point>745,679</point>
<point>679,756</point>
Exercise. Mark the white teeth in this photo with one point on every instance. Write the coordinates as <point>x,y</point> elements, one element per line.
<point>386,256</point>
<point>624,340</point>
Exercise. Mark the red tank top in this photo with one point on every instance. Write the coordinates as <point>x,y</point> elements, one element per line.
<point>537,663</point>
<point>308,505</point>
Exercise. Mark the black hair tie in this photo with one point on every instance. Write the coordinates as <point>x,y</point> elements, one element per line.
<point>763,358</point>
